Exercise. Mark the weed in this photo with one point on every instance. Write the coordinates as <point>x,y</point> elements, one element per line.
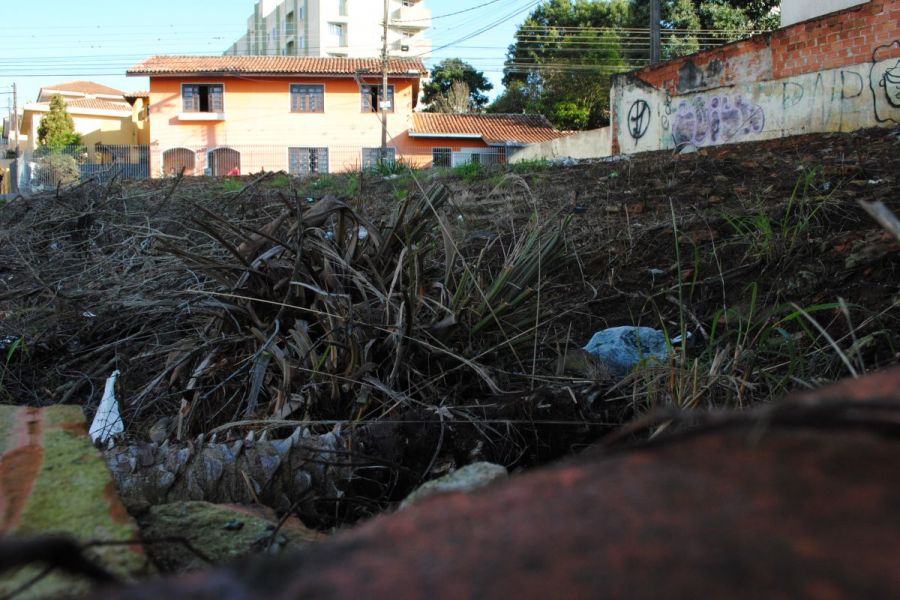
<point>352,185</point>
<point>400,194</point>
<point>16,346</point>
<point>469,171</point>
<point>325,182</point>
<point>232,185</point>
<point>768,236</point>
<point>282,180</point>
<point>530,166</point>
<point>389,166</point>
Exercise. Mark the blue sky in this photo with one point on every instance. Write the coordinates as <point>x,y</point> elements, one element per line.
<point>53,41</point>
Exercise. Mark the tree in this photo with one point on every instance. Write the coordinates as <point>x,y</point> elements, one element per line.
<point>57,129</point>
<point>566,51</point>
<point>442,93</point>
<point>562,60</point>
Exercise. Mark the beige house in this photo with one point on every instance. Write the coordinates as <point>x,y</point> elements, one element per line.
<point>102,115</point>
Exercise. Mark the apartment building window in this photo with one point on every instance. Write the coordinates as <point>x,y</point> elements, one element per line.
<point>338,33</point>
<point>203,97</point>
<point>290,23</point>
<point>306,161</point>
<point>307,98</point>
<point>371,96</point>
<point>372,157</point>
<point>440,157</point>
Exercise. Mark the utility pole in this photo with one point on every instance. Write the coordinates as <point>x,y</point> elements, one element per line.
<point>654,32</point>
<point>385,64</point>
<point>15,119</point>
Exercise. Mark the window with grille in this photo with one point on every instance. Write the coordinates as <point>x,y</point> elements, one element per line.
<point>307,98</point>
<point>306,161</point>
<point>371,96</point>
<point>203,97</point>
<point>440,157</point>
<point>373,157</point>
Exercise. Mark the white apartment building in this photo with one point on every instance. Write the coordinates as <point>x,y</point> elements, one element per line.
<point>351,28</point>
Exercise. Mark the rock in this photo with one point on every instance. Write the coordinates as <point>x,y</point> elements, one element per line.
<point>622,348</point>
<point>54,482</point>
<point>221,532</point>
<point>464,479</point>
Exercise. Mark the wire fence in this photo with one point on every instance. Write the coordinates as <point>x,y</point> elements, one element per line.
<point>46,169</point>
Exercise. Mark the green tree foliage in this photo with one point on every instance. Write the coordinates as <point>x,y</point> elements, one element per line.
<point>57,129</point>
<point>559,68</point>
<point>566,52</point>
<point>441,95</point>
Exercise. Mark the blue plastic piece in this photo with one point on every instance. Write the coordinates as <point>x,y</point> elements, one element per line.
<point>622,348</point>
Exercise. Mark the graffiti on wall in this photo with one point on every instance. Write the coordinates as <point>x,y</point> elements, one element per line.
<point>842,99</point>
<point>708,120</point>
<point>638,119</point>
<point>884,82</point>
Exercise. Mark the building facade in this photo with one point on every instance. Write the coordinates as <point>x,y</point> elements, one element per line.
<point>335,28</point>
<point>220,115</point>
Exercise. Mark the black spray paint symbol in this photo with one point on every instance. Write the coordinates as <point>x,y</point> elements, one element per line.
<point>638,119</point>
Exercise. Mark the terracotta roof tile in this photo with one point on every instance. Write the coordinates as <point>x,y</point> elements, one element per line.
<point>271,65</point>
<point>97,104</point>
<point>91,103</point>
<point>84,87</point>
<point>493,128</point>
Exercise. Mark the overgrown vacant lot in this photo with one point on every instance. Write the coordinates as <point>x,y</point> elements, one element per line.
<point>433,319</point>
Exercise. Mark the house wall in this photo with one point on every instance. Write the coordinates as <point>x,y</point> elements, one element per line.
<point>93,129</point>
<point>839,72</point>
<point>584,144</point>
<point>417,151</point>
<point>258,113</point>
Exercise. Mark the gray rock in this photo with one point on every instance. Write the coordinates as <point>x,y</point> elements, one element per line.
<point>464,479</point>
<point>622,348</point>
<point>221,532</point>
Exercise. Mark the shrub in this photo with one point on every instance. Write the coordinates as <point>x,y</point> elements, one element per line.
<point>56,168</point>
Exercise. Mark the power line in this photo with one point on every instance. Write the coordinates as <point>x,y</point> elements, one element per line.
<point>459,12</point>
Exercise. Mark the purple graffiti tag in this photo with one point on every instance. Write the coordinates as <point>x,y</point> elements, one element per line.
<point>706,121</point>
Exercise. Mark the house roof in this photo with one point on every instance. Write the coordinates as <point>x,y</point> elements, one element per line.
<point>492,128</point>
<point>162,66</point>
<point>83,87</point>
<point>76,105</point>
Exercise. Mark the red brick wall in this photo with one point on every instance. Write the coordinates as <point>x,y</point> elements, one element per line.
<point>834,40</point>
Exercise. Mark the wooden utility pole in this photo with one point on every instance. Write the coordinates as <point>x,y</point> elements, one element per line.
<point>385,64</point>
<point>654,32</point>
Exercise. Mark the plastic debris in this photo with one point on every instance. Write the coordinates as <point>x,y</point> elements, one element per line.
<point>107,422</point>
<point>623,348</point>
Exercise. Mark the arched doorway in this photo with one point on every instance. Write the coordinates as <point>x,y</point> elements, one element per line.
<point>176,159</point>
<point>223,161</point>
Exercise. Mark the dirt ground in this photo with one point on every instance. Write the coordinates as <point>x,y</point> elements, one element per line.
<point>759,252</point>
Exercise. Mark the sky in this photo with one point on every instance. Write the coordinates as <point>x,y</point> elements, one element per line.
<point>54,41</point>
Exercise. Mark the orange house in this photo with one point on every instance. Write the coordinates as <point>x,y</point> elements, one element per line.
<point>221,115</point>
<point>446,140</point>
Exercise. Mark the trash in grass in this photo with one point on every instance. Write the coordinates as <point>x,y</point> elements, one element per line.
<point>623,348</point>
<point>107,422</point>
